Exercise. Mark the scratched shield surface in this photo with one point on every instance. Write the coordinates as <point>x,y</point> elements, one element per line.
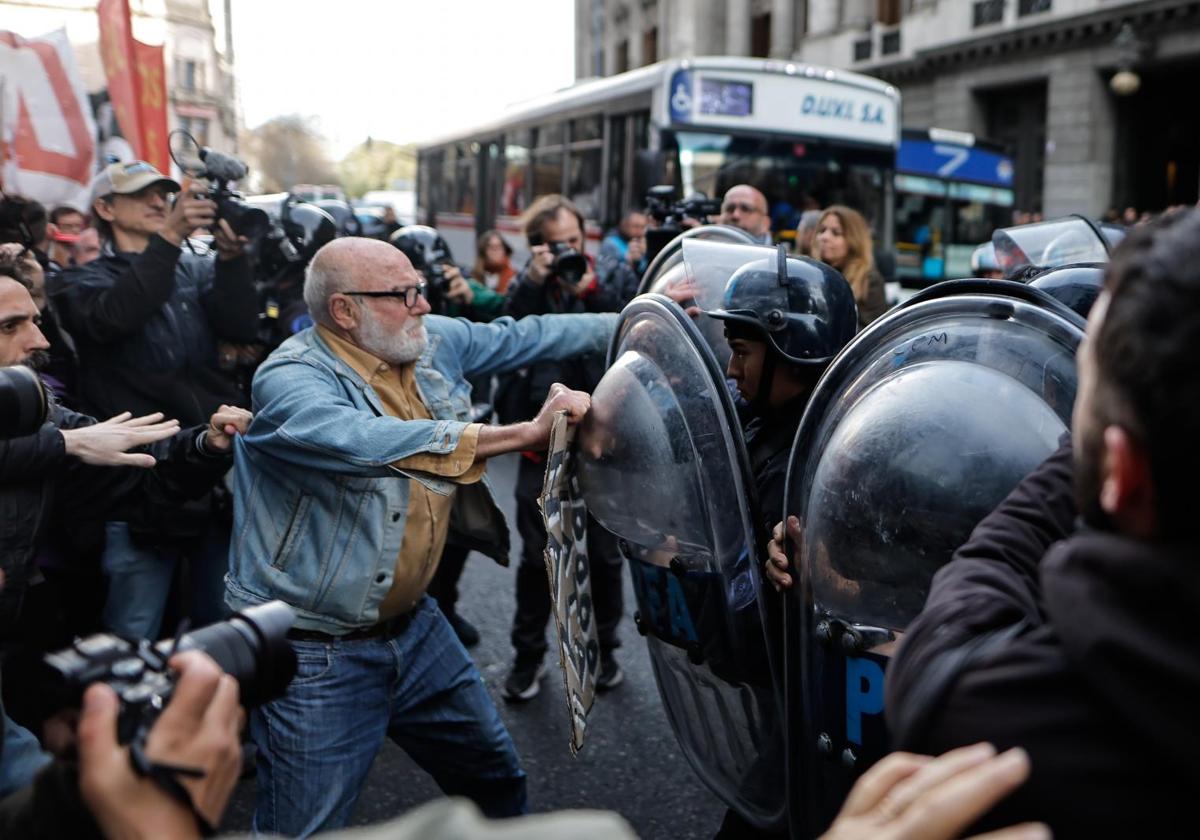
<point>918,429</point>
<point>662,465</point>
<point>570,580</point>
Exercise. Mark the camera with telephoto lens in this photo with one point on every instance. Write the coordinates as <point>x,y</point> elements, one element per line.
<point>669,214</point>
<point>220,170</point>
<point>251,647</point>
<point>569,265</point>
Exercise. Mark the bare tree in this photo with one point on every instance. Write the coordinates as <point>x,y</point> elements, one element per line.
<point>286,151</point>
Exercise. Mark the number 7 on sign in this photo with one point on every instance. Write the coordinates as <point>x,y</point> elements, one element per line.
<point>957,154</point>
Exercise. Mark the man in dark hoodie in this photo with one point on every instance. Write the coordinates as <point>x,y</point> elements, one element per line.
<point>1075,638</point>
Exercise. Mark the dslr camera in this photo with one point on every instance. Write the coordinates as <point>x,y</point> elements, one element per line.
<point>24,404</point>
<point>569,265</point>
<point>669,214</point>
<point>220,170</point>
<point>251,647</point>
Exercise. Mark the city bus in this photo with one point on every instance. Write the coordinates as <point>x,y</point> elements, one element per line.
<point>952,190</point>
<point>806,136</point>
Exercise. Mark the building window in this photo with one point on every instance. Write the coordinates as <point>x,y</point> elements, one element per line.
<point>191,74</point>
<point>760,35</point>
<point>621,59</point>
<point>862,49</point>
<point>889,44</point>
<point>887,12</point>
<point>987,11</point>
<point>650,45</point>
<point>1033,7</point>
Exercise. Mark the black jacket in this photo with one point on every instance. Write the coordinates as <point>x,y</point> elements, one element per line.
<point>769,445</point>
<point>1079,646</point>
<point>146,326</point>
<point>526,391</point>
<point>45,493</point>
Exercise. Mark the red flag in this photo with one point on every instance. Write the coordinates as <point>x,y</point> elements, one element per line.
<point>117,53</point>
<point>152,105</point>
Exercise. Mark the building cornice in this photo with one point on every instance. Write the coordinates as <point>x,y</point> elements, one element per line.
<point>1092,29</point>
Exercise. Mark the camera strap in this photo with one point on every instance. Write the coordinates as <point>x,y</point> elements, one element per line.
<point>165,776</point>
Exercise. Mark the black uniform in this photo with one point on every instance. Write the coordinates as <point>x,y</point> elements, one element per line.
<point>1075,644</point>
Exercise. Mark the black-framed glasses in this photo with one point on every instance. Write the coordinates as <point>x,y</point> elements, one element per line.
<point>408,295</point>
<point>730,206</point>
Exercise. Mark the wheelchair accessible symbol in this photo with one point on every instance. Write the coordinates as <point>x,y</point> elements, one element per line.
<point>681,96</point>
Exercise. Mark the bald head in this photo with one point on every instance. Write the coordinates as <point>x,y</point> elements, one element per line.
<point>746,207</point>
<point>353,263</point>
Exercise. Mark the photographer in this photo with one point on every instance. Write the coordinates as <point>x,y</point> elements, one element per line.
<point>550,283</point>
<point>622,259</point>
<point>146,316</point>
<point>101,795</point>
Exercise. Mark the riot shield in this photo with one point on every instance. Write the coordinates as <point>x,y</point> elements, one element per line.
<point>672,252</point>
<point>663,466</point>
<point>1056,242</point>
<point>923,424</point>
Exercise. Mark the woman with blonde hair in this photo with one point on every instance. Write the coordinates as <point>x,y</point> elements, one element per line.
<point>843,241</point>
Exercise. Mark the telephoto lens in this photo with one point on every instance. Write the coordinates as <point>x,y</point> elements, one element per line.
<point>251,647</point>
<point>23,404</point>
<point>569,265</point>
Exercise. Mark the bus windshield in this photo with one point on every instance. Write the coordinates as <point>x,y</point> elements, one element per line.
<point>795,175</point>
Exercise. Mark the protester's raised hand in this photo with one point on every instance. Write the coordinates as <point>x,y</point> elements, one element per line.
<point>915,797</point>
<point>198,729</point>
<point>107,444</point>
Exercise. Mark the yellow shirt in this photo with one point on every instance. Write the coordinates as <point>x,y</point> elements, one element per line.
<point>428,512</point>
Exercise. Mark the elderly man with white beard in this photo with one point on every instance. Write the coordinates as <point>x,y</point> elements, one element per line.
<point>359,452</point>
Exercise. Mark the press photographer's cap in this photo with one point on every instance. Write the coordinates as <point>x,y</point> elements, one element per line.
<point>126,177</point>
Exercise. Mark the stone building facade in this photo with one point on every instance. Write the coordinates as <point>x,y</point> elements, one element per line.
<point>1090,97</point>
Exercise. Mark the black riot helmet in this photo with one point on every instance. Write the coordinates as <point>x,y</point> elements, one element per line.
<point>301,231</point>
<point>803,309</point>
<point>1077,285</point>
<point>423,246</point>
<point>342,215</point>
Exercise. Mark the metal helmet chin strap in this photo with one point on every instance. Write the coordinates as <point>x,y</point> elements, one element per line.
<point>766,380</point>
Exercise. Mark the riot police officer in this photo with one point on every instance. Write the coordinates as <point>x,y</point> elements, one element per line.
<point>785,319</point>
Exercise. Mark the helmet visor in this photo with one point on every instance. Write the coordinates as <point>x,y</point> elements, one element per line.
<point>709,265</point>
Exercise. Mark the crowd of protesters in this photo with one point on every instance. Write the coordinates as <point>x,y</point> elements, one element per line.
<point>154,495</point>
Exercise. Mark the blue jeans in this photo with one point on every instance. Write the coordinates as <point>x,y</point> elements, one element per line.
<point>22,758</point>
<point>139,581</point>
<point>419,688</point>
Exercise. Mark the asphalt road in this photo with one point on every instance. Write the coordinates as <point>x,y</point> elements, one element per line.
<point>630,764</point>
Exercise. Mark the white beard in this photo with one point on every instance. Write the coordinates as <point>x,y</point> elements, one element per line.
<point>395,348</point>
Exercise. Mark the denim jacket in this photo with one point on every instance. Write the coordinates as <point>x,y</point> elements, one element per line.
<point>319,513</point>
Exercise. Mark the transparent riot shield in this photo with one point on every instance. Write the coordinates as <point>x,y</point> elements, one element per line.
<point>1052,243</point>
<point>663,466</point>
<point>672,253</point>
<point>923,424</point>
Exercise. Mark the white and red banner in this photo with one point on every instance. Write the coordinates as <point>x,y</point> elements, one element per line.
<point>47,135</point>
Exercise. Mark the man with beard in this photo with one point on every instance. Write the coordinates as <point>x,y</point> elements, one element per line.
<point>1075,639</point>
<point>356,467</point>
